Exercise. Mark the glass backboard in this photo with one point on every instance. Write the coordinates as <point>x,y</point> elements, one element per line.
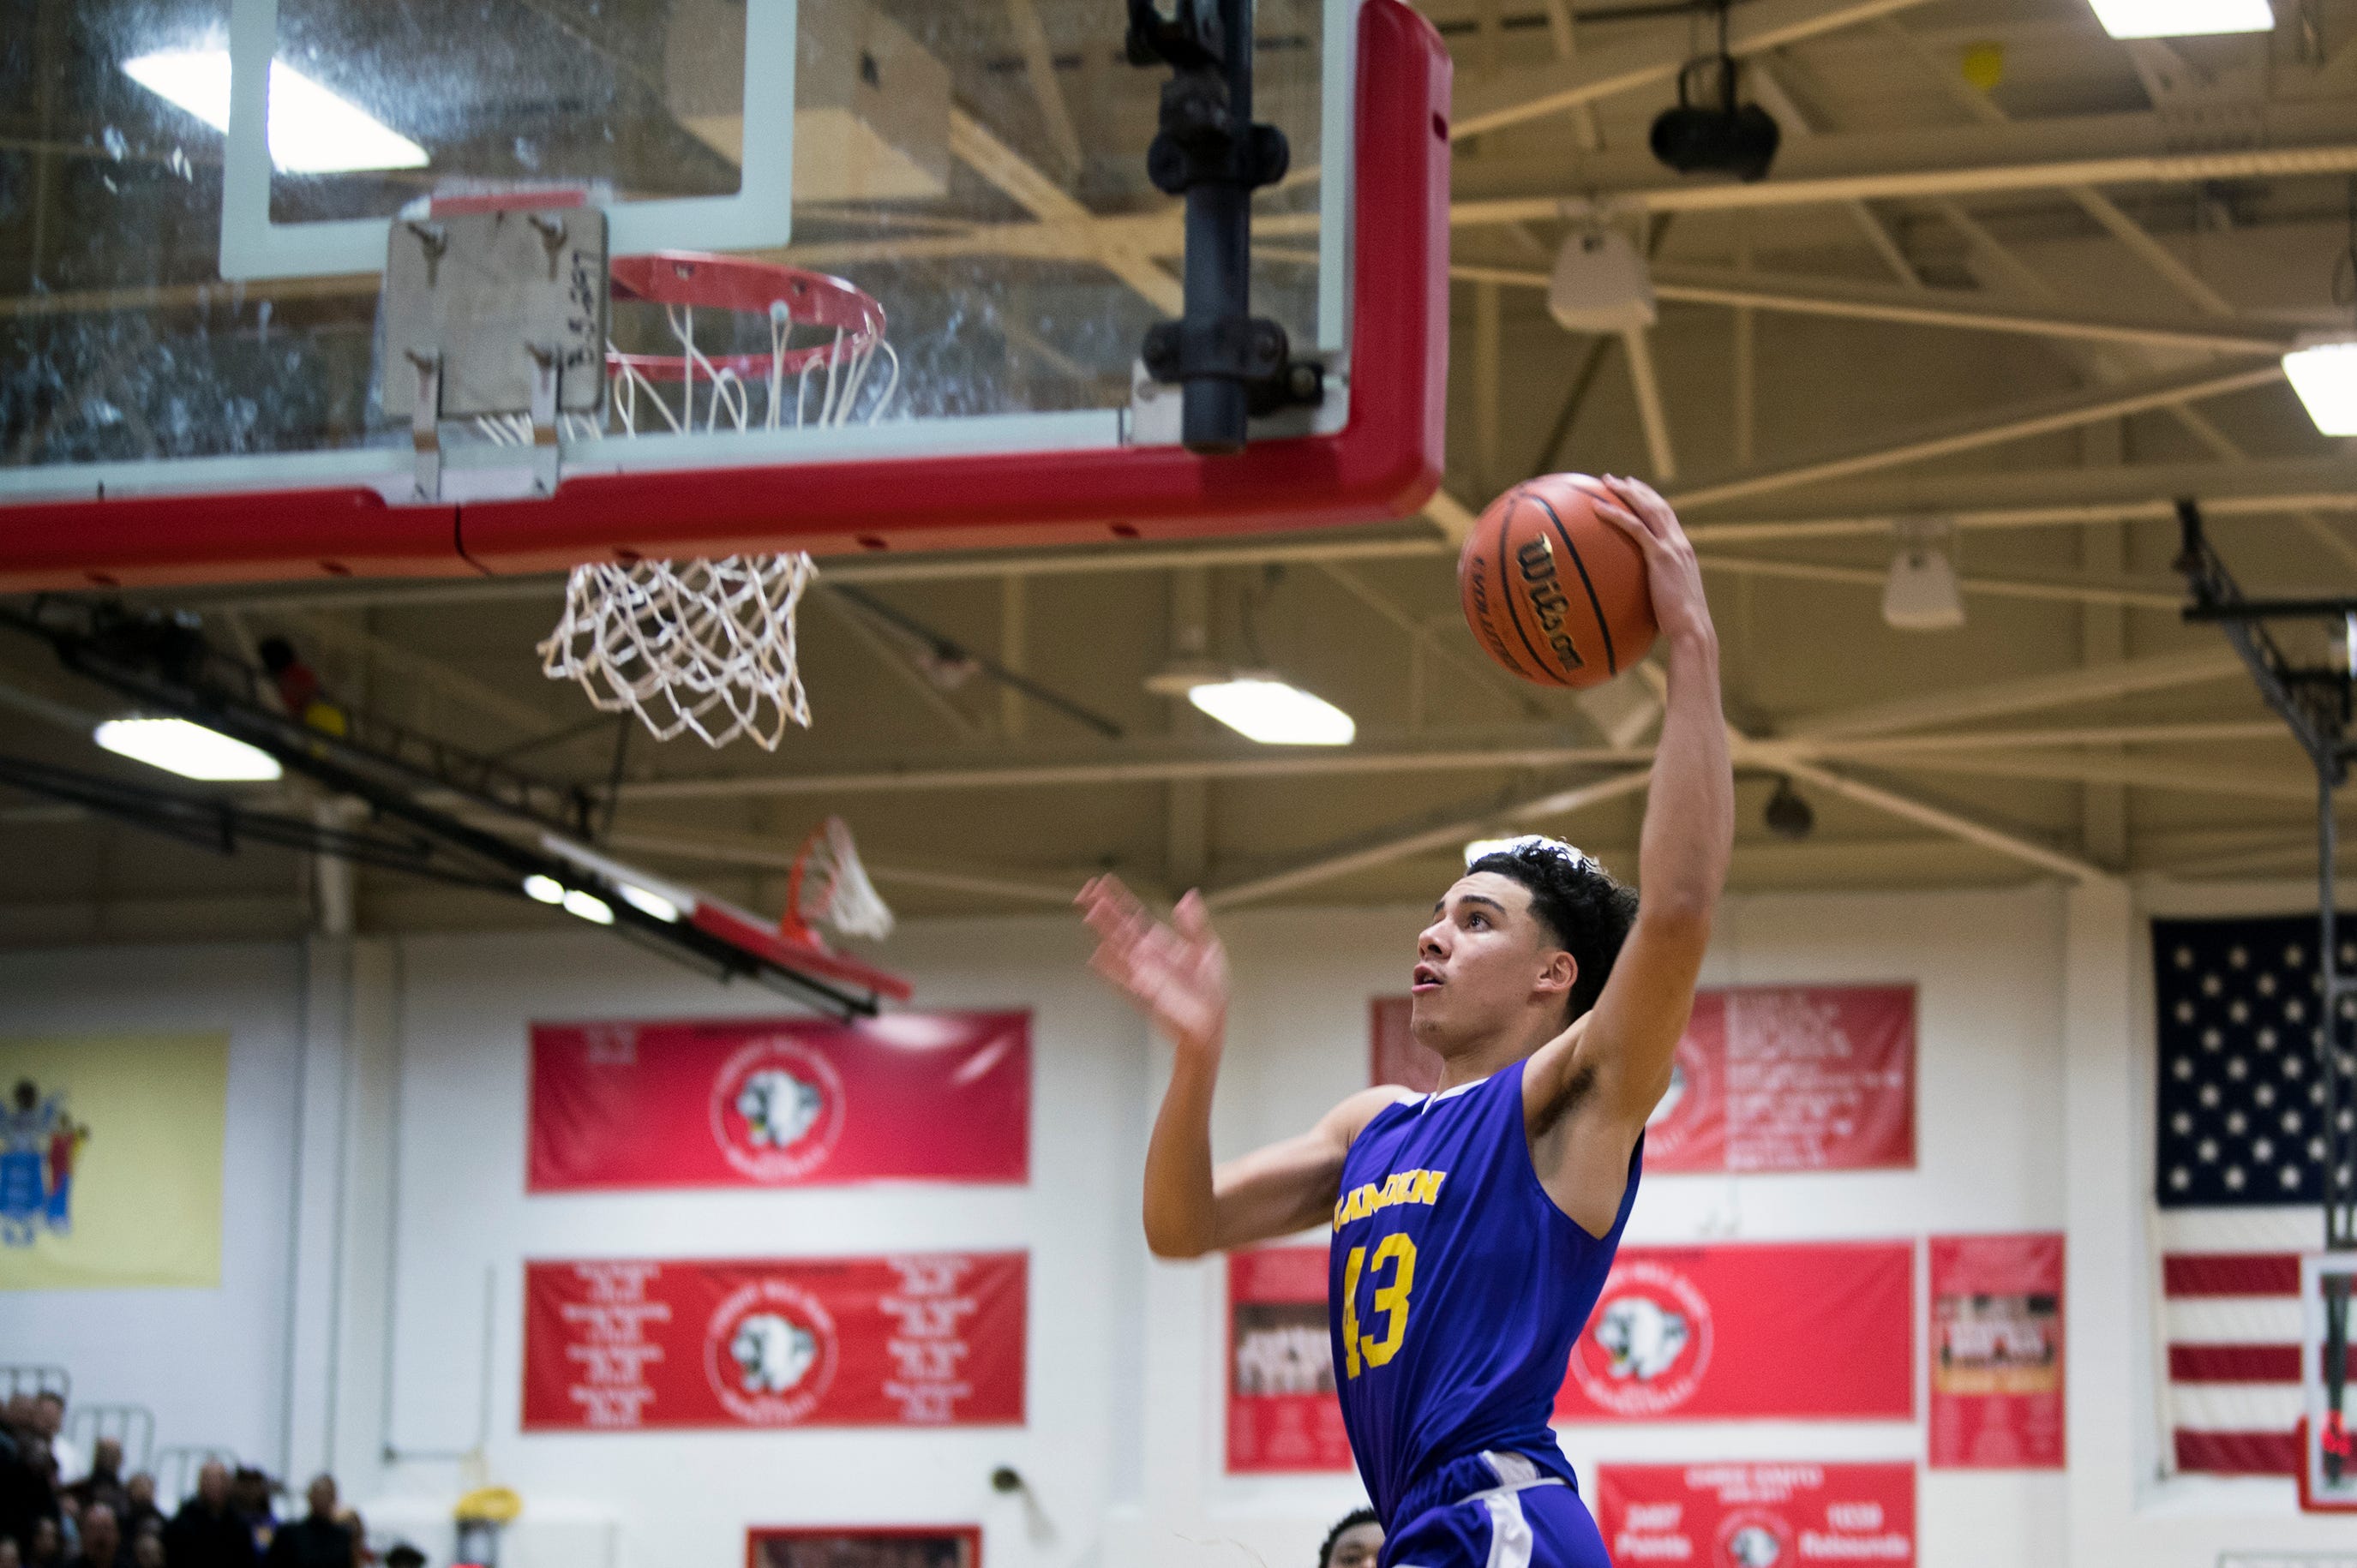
<point>201,382</point>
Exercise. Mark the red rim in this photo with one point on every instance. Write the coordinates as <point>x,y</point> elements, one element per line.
<point>693,279</point>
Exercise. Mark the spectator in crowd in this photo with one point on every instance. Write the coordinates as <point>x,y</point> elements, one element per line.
<point>50,1421</point>
<point>28,1490</point>
<point>101,1541</point>
<point>250,1492</point>
<point>208,1533</point>
<point>22,1499</point>
<point>105,1482</point>
<point>46,1547</point>
<point>147,1550</point>
<point>12,1558</point>
<point>402,1555</point>
<point>139,1514</point>
<point>319,1539</point>
<point>1355,1542</point>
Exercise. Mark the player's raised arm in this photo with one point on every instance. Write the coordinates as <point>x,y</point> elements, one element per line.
<point>1178,975</point>
<point>1684,849</point>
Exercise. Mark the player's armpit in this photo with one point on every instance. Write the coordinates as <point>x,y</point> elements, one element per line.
<point>1292,1184</point>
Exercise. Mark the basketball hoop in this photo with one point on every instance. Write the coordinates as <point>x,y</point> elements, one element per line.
<point>708,646</point>
<point>827,883</point>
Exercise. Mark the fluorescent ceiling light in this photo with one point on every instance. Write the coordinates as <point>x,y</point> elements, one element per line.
<point>2323,368</point>
<point>190,750</point>
<point>2182,18</point>
<point>544,890</point>
<point>588,907</point>
<point>1272,712</point>
<point>664,900</point>
<point>649,903</point>
<point>312,131</point>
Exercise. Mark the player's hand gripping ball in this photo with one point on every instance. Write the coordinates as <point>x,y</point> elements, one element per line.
<point>1553,592</point>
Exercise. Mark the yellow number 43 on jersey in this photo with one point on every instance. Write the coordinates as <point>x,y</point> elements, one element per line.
<point>1360,1350</point>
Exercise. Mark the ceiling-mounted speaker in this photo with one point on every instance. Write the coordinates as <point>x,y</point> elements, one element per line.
<point>1599,283</point>
<point>1714,137</point>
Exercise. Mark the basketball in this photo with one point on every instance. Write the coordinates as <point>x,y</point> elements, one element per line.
<point>1553,591</point>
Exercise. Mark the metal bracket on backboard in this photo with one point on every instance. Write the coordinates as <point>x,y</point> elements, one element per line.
<point>1155,416</point>
<point>492,316</point>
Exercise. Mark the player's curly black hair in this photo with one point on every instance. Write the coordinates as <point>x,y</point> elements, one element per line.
<point>1350,1520</point>
<point>1576,900</point>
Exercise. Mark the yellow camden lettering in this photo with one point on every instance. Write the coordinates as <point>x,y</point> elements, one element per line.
<point>1400,1186</point>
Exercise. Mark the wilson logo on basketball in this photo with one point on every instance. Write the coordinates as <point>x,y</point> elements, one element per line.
<point>1649,1343</point>
<point>1546,591</point>
<point>777,1110</point>
<point>770,1352</point>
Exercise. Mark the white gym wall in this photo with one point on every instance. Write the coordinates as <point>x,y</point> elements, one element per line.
<point>408,1057</point>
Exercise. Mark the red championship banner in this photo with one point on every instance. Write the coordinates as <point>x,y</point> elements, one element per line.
<point>1804,1330</point>
<point>1768,1077</point>
<point>933,1339</point>
<point>770,1102</point>
<point>1791,1077</point>
<point>1282,1412</point>
<point>1756,1515</point>
<point>1996,1352</point>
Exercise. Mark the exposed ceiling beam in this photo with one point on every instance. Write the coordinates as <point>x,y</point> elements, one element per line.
<point>2193,733</point>
<point>1956,824</point>
<point>2054,153</point>
<point>1645,381</point>
<point>2154,594</point>
<point>2028,694</point>
<point>2094,203</point>
<point>1536,748</point>
<point>1400,841</point>
<point>1920,306</point>
<point>1536,92</point>
<point>1139,763</point>
<point>2174,774</point>
<point>1990,427</point>
<point>2054,498</point>
<point>973,145</point>
<point>1040,67</point>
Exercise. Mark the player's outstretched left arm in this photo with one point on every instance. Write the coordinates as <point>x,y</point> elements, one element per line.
<point>1608,1071</point>
<point>1176,974</point>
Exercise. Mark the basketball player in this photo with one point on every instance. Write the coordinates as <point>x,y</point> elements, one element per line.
<point>1473,1227</point>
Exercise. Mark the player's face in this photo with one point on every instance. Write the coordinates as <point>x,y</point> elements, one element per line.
<point>1481,963</point>
<point>1357,1547</point>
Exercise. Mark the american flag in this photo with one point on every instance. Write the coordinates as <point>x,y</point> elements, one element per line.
<point>2239,1175</point>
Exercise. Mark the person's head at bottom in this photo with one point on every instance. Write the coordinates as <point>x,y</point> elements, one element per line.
<point>405,1555</point>
<point>321,1496</point>
<point>1355,1540</point>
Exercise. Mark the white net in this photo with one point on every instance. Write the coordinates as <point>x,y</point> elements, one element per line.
<point>700,646</point>
<point>830,884</point>
<point>707,647</point>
